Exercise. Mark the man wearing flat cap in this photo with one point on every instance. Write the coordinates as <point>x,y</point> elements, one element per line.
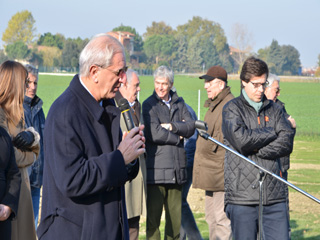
<point>208,169</point>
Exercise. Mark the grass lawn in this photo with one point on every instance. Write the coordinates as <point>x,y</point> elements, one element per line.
<point>302,102</point>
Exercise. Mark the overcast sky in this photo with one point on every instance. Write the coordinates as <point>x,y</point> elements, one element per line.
<point>290,22</point>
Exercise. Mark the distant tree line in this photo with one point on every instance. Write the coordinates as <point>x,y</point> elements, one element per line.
<point>192,47</point>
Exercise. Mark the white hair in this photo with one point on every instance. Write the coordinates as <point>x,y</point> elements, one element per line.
<point>164,72</point>
<point>130,73</point>
<point>99,51</point>
<point>272,78</point>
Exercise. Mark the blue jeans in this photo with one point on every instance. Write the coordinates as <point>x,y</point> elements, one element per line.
<point>188,224</point>
<point>245,221</point>
<point>35,194</point>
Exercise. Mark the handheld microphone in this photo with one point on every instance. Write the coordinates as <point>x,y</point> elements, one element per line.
<point>125,110</point>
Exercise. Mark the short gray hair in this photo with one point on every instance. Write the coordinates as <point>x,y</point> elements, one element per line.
<point>130,73</point>
<point>271,78</point>
<point>32,70</point>
<point>100,51</point>
<point>164,72</point>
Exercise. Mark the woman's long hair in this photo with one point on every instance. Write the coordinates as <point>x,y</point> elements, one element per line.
<point>13,77</point>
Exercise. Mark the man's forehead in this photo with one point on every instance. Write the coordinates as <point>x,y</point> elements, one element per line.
<point>258,78</point>
<point>161,79</point>
<point>32,77</point>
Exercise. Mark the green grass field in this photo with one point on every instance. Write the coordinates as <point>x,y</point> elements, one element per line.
<point>302,102</point>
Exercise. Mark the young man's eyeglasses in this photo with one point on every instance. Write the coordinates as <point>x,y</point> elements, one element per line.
<point>257,85</point>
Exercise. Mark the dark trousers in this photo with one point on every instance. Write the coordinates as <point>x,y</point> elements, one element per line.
<point>245,221</point>
<point>134,228</point>
<point>188,224</point>
<point>169,196</point>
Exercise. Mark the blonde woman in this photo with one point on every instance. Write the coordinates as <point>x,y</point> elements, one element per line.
<point>13,80</point>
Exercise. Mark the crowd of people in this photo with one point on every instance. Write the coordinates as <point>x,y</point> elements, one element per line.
<point>99,174</point>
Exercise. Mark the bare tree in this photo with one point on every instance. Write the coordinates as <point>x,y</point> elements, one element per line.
<point>241,43</point>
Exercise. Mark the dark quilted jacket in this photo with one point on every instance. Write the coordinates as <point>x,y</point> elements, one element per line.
<point>285,161</point>
<point>263,138</point>
<point>166,158</point>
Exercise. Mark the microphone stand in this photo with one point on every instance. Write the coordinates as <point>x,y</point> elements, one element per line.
<point>262,174</point>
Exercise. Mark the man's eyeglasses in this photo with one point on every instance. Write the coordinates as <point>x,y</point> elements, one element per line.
<point>118,73</point>
<point>257,85</point>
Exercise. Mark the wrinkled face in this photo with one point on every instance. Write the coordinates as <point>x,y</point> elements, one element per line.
<point>255,87</point>
<point>162,87</point>
<point>133,88</point>
<point>273,92</point>
<point>213,87</point>
<point>108,79</point>
<point>32,85</point>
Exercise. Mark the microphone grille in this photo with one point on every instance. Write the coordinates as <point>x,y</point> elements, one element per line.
<point>123,104</point>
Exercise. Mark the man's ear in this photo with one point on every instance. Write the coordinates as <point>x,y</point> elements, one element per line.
<point>94,72</point>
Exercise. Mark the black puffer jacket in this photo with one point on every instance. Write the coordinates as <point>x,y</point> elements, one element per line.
<point>166,159</point>
<point>285,161</point>
<point>263,138</point>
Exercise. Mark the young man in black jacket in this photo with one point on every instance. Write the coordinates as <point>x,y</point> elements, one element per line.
<point>258,129</point>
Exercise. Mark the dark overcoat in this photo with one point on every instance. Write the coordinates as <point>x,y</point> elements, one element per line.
<point>84,173</point>
<point>10,180</point>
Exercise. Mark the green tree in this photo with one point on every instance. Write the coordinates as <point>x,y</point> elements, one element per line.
<point>211,31</point>
<point>3,57</point>
<point>194,54</point>
<point>20,28</point>
<point>71,52</point>
<point>160,47</point>
<point>17,50</point>
<point>181,60</point>
<point>290,60</point>
<point>204,28</point>
<point>274,58</point>
<point>36,57</point>
<point>49,54</point>
<point>319,60</point>
<point>158,28</point>
<point>138,42</point>
<point>50,40</point>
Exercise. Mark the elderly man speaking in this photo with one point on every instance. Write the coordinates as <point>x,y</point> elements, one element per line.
<point>86,165</point>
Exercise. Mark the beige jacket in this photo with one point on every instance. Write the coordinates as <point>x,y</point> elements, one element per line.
<point>135,191</point>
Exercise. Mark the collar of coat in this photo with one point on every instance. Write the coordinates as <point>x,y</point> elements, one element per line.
<point>211,103</point>
<point>32,101</point>
<point>94,107</point>
<point>174,97</point>
<point>265,101</point>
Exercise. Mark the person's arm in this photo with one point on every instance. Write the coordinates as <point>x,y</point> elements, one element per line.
<point>244,140</point>
<point>186,127</point>
<point>154,131</point>
<point>283,144</point>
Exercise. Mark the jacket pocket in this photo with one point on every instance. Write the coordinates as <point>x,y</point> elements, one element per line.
<point>79,227</point>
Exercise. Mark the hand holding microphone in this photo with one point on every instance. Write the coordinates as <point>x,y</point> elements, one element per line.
<point>133,142</point>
